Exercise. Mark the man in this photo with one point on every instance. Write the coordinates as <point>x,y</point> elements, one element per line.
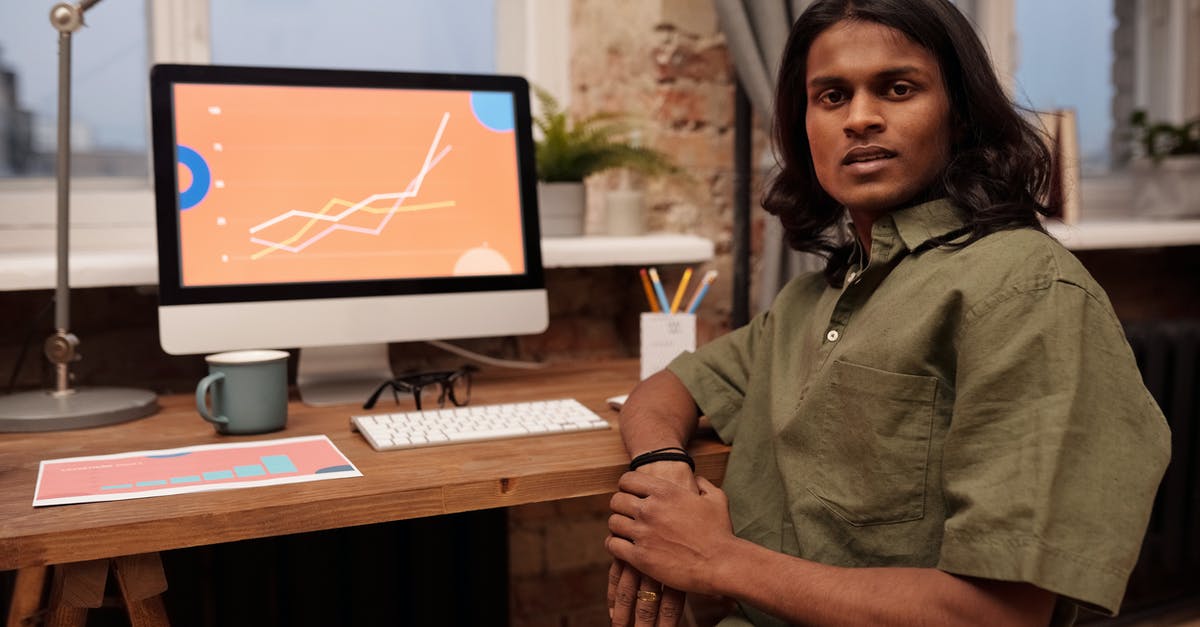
<point>947,426</point>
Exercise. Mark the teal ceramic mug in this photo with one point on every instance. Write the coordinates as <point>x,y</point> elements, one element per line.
<point>249,391</point>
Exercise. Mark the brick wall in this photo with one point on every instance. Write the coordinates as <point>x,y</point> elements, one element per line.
<point>557,563</point>
<point>665,64</point>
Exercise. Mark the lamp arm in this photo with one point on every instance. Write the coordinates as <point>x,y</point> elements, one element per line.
<point>61,348</point>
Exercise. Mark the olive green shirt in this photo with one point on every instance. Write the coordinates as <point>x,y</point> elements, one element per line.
<point>976,410</point>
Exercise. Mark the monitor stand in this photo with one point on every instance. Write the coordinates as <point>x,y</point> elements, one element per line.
<point>341,375</point>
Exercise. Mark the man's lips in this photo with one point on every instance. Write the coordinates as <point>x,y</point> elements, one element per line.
<point>861,154</point>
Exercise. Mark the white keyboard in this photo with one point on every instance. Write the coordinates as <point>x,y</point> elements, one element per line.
<point>452,425</point>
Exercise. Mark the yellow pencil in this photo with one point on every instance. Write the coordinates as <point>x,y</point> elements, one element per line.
<point>687,275</point>
<point>649,291</point>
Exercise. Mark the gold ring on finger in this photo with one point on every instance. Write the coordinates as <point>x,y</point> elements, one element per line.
<point>647,595</point>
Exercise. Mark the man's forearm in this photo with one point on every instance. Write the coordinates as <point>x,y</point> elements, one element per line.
<point>802,591</point>
<point>660,412</point>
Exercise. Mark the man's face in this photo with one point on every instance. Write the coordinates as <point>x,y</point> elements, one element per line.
<point>878,116</point>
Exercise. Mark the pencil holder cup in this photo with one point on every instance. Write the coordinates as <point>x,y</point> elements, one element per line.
<point>665,337</point>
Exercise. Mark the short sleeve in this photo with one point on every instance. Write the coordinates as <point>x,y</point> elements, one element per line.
<point>1055,449</point>
<point>717,373</point>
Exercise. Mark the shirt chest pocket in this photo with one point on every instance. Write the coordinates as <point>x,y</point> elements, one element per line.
<point>867,444</point>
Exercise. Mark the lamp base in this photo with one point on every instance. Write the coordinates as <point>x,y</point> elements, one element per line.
<point>41,410</point>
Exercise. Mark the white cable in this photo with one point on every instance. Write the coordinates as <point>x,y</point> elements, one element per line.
<point>491,361</point>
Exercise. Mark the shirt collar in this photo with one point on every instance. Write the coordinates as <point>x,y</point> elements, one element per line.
<point>918,224</point>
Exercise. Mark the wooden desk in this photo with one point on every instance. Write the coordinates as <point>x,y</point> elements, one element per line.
<point>396,485</point>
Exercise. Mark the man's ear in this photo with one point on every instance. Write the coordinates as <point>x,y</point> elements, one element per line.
<point>960,129</point>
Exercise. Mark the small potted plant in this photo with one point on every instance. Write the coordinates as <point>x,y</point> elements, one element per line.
<point>1166,173</point>
<point>569,150</point>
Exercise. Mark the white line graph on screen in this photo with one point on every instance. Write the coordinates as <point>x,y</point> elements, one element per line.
<point>290,244</point>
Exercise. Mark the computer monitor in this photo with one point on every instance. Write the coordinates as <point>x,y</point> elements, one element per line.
<point>338,211</point>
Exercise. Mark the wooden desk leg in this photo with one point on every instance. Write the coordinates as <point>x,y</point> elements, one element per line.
<point>142,582</point>
<point>76,588</point>
<point>26,602</point>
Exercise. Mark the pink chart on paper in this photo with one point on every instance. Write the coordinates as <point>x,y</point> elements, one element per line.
<point>144,474</point>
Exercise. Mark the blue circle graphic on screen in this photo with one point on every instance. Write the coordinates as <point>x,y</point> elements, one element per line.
<point>493,109</point>
<point>201,177</point>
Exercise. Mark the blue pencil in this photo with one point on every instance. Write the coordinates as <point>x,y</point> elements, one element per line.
<point>658,290</point>
<point>708,279</point>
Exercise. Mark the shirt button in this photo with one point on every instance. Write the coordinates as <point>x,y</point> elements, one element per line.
<point>833,335</point>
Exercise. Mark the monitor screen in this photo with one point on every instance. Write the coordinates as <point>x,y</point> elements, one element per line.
<point>305,208</point>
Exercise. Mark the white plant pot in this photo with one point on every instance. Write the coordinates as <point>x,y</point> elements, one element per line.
<point>1169,189</point>
<point>561,209</point>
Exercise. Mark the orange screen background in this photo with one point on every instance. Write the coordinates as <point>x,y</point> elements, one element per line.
<point>273,150</point>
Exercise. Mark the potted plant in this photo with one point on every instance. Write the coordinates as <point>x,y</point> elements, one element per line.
<point>569,150</point>
<point>1166,174</point>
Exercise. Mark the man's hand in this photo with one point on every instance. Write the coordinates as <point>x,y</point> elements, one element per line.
<point>669,532</point>
<point>656,605</point>
<point>639,601</point>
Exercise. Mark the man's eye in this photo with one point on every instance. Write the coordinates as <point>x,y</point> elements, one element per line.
<point>900,89</point>
<point>832,97</point>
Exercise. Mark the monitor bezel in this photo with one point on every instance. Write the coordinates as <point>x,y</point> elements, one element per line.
<point>171,290</point>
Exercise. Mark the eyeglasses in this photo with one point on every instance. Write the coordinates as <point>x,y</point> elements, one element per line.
<point>428,388</point>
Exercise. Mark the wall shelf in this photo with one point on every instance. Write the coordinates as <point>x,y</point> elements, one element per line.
<point>644,250</point>
<point>1124,234</point>
<point>138,265</point>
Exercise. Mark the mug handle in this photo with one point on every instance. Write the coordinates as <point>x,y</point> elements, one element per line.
<point>202,393</point>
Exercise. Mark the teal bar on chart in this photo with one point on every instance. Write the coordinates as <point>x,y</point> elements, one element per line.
<point>187,479</point>
<point>278,464</point>
<point>249,471</point>
<point>214,475</point>
<point>151,484</point>
<point>119,486</point>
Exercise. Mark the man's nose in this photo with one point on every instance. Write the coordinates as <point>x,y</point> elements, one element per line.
<point>863,115</point>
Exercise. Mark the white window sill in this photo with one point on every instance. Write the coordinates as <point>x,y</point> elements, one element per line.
<point>138,265</point>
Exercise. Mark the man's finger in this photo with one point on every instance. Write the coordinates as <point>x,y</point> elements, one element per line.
<point>642,484</point>
<point>625,503</point>
<point>648,598</point>
<point>670,607</point>
<point>621,526</point>
<point>620,549</point>
<point>614,577</point>
<point>626,594</point>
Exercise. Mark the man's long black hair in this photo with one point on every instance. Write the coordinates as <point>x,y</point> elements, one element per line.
<point>999,169</point>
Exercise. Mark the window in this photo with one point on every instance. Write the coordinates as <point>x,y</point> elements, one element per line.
<point>413,35</point>
<point>1076,72</point>
<point>1142,53</point>
<point>108,85</point>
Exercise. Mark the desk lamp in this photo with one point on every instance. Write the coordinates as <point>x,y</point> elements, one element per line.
<point>65,407</point>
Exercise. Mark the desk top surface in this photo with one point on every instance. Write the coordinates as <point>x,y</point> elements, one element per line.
<point>395,485</point>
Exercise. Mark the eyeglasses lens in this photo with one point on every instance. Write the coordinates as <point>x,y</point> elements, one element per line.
<point>460,388</point>
<point>430,395</point>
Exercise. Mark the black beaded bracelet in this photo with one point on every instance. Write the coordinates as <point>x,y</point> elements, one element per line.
<point>669,454</point>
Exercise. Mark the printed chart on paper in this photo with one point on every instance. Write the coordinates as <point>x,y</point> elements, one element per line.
<point>208,467</point>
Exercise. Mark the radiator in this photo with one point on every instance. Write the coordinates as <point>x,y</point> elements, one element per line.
<point>1169,564</point>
